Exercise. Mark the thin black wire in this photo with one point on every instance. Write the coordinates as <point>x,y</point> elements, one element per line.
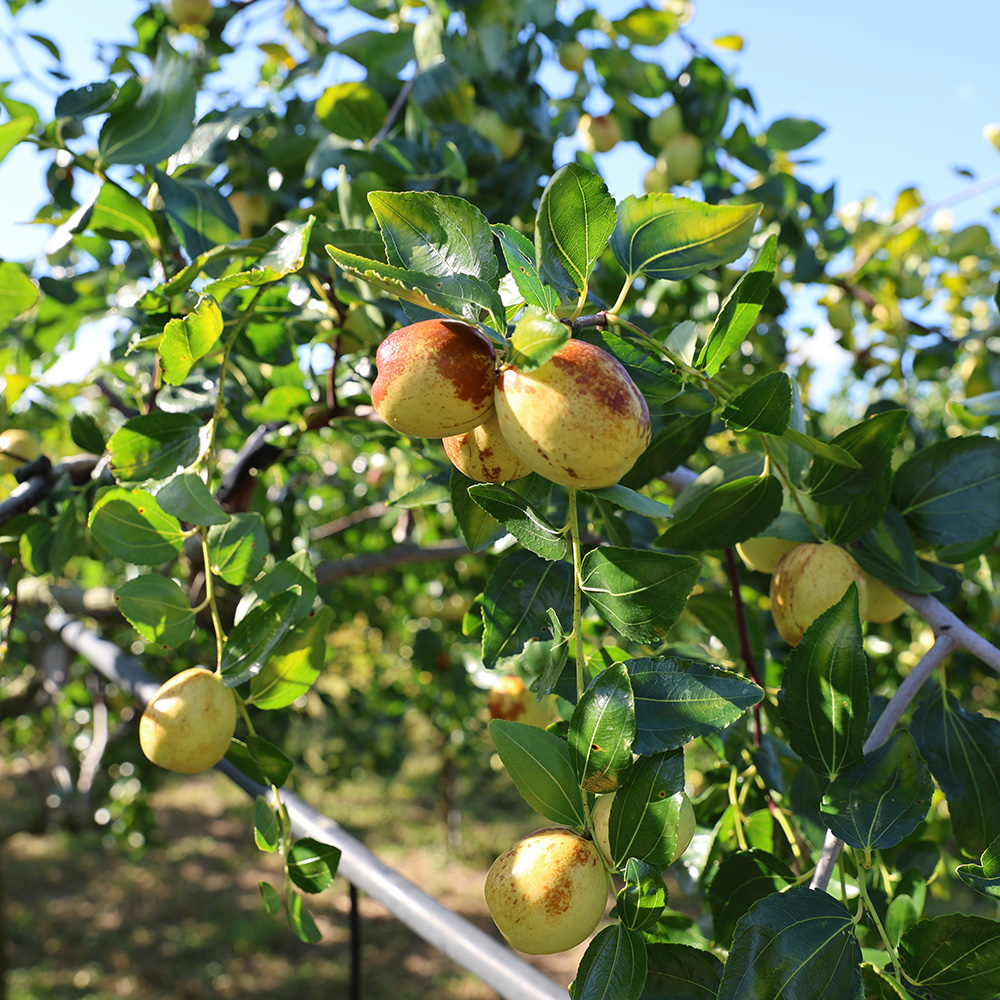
<point>355,993</point>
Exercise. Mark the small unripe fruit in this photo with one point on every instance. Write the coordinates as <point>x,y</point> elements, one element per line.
<point>511,699</point>
<point>507,138</point>
<point>884,605</point>
<point>665,125</point>
<point>16,448</point>
<point>599,133</point>
<point>600,819</point>
<point>809,580</point>
<point>573,55</point>
<point>762,553</point>
<point>192,12</point>
<point>188,725</point>
<point>435,378</point>
<point>251,210</point>
<point>548,892</point>
<point>578,420</point>
<point>484,455</point>
<point>683,154</point>
<point>655,180</point>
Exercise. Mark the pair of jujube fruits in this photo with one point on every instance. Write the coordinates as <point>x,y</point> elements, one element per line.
<point>577,420</point>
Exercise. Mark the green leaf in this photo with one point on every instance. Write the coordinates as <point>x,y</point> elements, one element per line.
<point>949,492</point>
<point>643,897</point>
<point>187,497</point>
<point>962,749</point>
<point>601,730</point>
<point>521,518</point>
<point>679,700</point>
<point>354,110</point>
<point>680,972</point>
<point>638,503</point>
<point>881,802</point>
<point>731,513</point>
<point>984,877</point>
<point>82,102</point>
<point>18,293</point>
<point>238,548</point>
<point>539,764</point>
<point>118,215</point>
<point>645,811</point>
<point>887,553</point>
<point>157,608</point>
<point>155,446</point>
<point>199,215</point>
<point>284,247</point>
<point>614,965</point>
<point>638,593</point>
<point>13,131</point>
<point>824,696</point>
<point>294,665</point>
<point>459,296</point>
<point>881,984</point>
<point>797,945</point>
<point>295,571</point>
<point>519,253</point>
<point>160,120</point>
<point>647,26</point>
<point>479,529</point>
<point>536,338</point>
<point>259,760</point>
<point>787,134</point>
<point>252,642</point>
<point>266,827</point>
<point>301,919</point>
<point>271,898</point>
<point>728,469</point>
<point>739,312</point>
<point>575,220</point>
<point>435,234</point>
<point>86,434</point>
<point>186,341</point>
<point>871,444</point>
<point>822,448</point>
<point>764,406</point>
<point>662,236</point>
<point>516,601</point>
<point>955,955</point>
<point>132,527</point>
<point>48,543</point>
<point>739,881</point>
<point>312,865</point>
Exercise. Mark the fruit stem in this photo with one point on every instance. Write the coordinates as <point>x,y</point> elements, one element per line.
<point>620,301</point>
<point>220,636</point>
<point>737,812</point>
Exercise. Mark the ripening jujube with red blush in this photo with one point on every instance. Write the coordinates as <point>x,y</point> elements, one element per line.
<point>484,455</point>
<point>578,420</point>
<point>434,378</point>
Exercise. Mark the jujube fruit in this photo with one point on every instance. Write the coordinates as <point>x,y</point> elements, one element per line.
<point>434,378</point>
<point>600,820</point>
<point>762,553</point>
<point>511,699</point>
<point>483,454</point>
<point>17,447</point>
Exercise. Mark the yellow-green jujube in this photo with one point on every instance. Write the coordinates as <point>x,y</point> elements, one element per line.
<point>884,605</point>
<point>17,446</point>
<point>600,818</point>
<point>483,454</point>
<point>809,580</point>
<point>188,725</point>
<point>683,154</point>
<point>599,133</point>
<point>548,892</point>
<point>762,553</point>
<point>511,699</point>
<point>665,125</point>
<point>573,55</point>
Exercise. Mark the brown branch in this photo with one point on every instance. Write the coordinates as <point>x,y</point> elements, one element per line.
<point>376,562</point>
<point>349,520</point>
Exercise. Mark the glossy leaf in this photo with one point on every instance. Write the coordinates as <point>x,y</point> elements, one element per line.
<point>311,864</point>
<point>956,955</point>
<point>881,802</point>
<point>82,102</point>
<point>48,543</point>
<point>519,253</point>
<point>881,985</point>
<point>797,945</point>
<point>521,518</point>
<point>601,730</point>
<point>18,293</point>
<point>518,596</point>
<point>479,529</point>
<point>187,340</point>
<point>132,527</point>
<point>157,608</point>
<point>962,749</point>
<point>270,897</point>
<point>266,827</point>
<point>731,513</point>
<point>540,766</point>
<point>86,434</point>
<point>821,448</point>
<point>160,120</point>
<point>679,700</point>
<point>252,642</point>
<point>353,110</point>
<point>680,972</point>
<point>13,131</point>
<point>260,760</point>
<point>643,897</point>
<point>787,134</point>
<point>949,492</point>
<point>155,446</point>
<point>536,338</point>
<point>279,252</point>
<point>301,919</point>
<point>764,406</point>
<point>614,965</point>
<point>739,881</point>
<point>575,220</point>
<point>645,812</point>
<point>460,296</point>
<point>871,443</point>
<point>238,548</point>
<point>739,312</point>
<point>295,663</point>
<point>199,215</point>
<point>295,571</point>
<point>887,553</point>
<point>638,593</point>
<point>116,214</point>
<point>662,236</point>
<point>638,503</point>
<point>984,877</point>
<point>188,498</point>
<point>824,695</point>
